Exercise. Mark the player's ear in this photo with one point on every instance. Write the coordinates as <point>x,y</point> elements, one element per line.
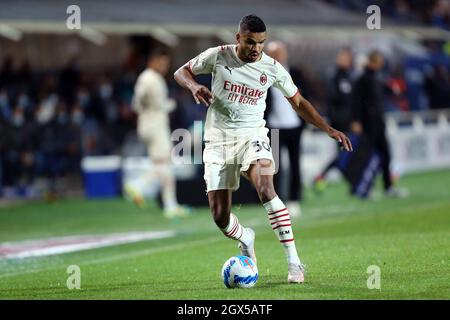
<point>238,37</point>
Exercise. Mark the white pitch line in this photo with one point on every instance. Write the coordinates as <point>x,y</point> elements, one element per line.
<point>125,256</point>
<point>53,246</point>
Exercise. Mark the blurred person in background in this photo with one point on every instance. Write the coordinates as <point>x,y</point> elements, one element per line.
<point>153,105</point>
<point>5,106</point>
<point>45,122</point>
<point>18,155</point>
<point>440,15</point>
<point>368,117</point>
<point>437,87</point>
<point>339,107</point>
<point>397,88</point>
<point>281,115</point>
<point>69,77</point>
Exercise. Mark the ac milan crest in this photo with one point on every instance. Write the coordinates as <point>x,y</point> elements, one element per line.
<point>263,79</point>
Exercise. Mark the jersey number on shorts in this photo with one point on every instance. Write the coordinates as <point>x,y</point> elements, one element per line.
<point>258,145</point>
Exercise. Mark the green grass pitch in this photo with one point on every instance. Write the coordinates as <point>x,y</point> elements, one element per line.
<point>338,238</point>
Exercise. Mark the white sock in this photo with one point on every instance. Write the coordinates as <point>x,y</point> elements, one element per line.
<point>280,222</point>
<point>168,192</point>
<point>236,231</point>
<point>141,183</point>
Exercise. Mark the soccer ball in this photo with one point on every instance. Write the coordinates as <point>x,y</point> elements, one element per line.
<point>239,272</point>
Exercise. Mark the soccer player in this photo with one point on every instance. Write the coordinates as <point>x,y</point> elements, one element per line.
<point>236,141</point>
<point>152,104</point>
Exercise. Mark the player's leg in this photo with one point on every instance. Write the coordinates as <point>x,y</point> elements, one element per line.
<point>228,223</point>
<point>160,151</point>
<point>261,176</point>
<point>134,189</point>
<point>319,181</point>
<point>382,145</point>
<point>163,170</point>
<point>159,148</point>
<point>221,180</point>
<point>220,206</point>
<point>330,166</point>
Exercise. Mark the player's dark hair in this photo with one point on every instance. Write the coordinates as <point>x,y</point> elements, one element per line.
<point>252,23</point>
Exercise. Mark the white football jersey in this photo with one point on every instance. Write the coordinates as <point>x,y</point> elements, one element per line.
<point>151,99</point>
<point>239,89</point>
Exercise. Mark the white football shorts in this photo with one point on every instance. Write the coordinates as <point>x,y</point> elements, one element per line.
<point>224,162</point>
<point>157,139</point>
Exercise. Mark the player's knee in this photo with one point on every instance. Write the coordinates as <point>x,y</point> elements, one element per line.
<point>265,163</point>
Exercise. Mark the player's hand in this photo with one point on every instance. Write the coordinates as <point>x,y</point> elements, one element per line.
<point>342,139</point>
<point>202,94</point>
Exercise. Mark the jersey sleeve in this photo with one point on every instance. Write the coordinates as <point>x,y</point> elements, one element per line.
<point>284,82</point>
<point>205,62</point>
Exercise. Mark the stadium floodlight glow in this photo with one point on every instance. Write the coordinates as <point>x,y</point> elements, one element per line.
<point>92,35</point>
<point>10,33</point>
<point>164,36</point>
<point>287,36</point>
<point>442,120</point>
<point>226,36</point>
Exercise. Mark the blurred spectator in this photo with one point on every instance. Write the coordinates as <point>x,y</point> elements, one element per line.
<point>368,116</point>
<point>18,155</point>
<point>437,86</point>
<point>7,76</point>
<point>69,77</point>
<point>5,107</point>
<point>280,115</point>
<point>440,16</point>
<point>339,107</point>
<point>50,119</point>
<point>397,98</point>
<point>434,12</point>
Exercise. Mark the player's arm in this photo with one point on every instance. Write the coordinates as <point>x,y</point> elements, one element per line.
<point>306,110</point>
<point>185,78</point>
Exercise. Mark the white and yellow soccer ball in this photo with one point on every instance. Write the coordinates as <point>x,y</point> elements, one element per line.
<point>239,272</point>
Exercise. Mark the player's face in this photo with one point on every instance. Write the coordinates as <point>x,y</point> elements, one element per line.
<point>165,64</point>
<point>380,62</point>
<point>344,59</point>
<point>250,45</point>
<point>161,64</point>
